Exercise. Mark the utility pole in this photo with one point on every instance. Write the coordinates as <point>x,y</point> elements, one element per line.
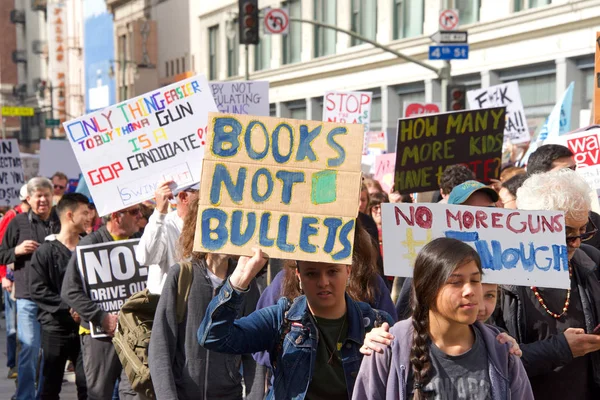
<point>247,69</point>
<point>447,79</point>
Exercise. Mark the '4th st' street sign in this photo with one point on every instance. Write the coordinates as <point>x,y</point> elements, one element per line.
<point>449,52</point>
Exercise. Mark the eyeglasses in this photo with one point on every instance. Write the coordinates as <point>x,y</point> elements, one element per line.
<point>59,187</point>
<point>133,213</point>
<point>584,236</point>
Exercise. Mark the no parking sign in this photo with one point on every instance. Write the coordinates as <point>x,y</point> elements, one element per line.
<point>277,21</point>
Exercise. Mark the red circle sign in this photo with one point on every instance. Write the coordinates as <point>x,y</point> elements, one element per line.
<point>448,20</point>
<point>276,20</point>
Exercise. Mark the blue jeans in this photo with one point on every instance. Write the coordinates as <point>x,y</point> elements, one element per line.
<point>29,333</point>
<point>10,312</point>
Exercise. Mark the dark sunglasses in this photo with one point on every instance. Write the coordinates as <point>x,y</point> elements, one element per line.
<point>133,213</point>
<point>59,187</point>
<point>584,236</point>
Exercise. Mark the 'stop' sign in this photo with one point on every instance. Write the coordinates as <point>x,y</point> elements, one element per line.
<point>288,186</point>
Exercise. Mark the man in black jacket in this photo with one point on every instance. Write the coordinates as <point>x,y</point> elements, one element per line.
<point>22,237</point>
<point>60,332</point>
<point>100,362</point>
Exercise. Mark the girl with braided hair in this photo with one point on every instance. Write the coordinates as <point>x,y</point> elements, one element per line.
<point>443,352</point>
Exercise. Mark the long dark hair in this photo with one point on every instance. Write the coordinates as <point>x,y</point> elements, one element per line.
<point>433,266</point>
<point>363,278</point>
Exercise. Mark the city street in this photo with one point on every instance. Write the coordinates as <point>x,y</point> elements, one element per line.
<point>7,386</point>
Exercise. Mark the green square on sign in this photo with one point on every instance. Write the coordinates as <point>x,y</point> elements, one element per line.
<point>324,187</point>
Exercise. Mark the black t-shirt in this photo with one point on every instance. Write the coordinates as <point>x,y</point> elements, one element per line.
<point>463,377</point>
<point>574,380</point>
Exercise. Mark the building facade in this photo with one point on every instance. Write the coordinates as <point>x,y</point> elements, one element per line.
<point>542,44</point>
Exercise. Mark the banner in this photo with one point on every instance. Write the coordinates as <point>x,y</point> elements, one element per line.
<point>246,97</point>
<point>111,274</point>
<point>288,186</point>
<point>57,56</point>
<point>351,108</point>
<point>11,173</point>
<point>384,171</point>
<point>430,143</point>
<point>50,163</point>
<point>415,109</point>
<point>516,247</point>
<point>507,95</point>
<point>125,150</point>
<point>586,149</point>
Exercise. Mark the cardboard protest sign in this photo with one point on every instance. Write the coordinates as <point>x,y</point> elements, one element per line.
<point>111,274</point>
<point>414,109</point>
<point>288,186</point>
<point>516,247</point>
<point>507,95</point>
<point>384,171</point>
<point>351,108</point>
<point>586,149</point>
<point>11,172</point>
<point>50,163</point>
<point>246,97</point>
<point>125,150</point>
<point>430,143</point>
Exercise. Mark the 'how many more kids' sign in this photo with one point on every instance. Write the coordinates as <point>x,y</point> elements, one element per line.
<point>288,186</point>
<point>124,150</point>
<point>516,247</point>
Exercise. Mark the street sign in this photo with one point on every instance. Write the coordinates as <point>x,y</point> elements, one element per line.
<point>447,37</point>
<point>277,21</point>
<point>52,122</point>
<point>449,52</point>
<point>17,111</point>
<point>448,19</point>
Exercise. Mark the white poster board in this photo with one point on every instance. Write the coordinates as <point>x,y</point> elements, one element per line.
<point>245,97</point>
<point>351,108</point>
<point>586,149</point>
<point>11,172</point>
<point>516,247</point>
<point>58,156</point>
<point>125,150</point>
<point>31,165</point>
<point>507,94</point>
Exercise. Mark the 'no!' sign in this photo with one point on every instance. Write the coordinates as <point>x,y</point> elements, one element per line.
<point>276,21</point>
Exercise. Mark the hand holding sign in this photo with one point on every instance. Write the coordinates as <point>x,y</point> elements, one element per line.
<point>246,270</point>
<point>109,324</point>
<point>162,195</point>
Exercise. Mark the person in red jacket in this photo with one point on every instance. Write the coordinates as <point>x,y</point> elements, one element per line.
<point>10,307</point>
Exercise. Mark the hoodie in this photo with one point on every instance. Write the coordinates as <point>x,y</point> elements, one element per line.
<point>384,376</point>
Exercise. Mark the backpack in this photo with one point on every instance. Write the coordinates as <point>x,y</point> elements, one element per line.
<point>132,336</point>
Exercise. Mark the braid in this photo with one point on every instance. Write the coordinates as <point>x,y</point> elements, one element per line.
<point>419,353</point>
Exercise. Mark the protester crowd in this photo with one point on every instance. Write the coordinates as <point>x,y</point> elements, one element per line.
<point>317,330</point>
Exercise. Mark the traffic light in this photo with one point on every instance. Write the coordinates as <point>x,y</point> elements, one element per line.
<point>248,21</point>
<point>457,97</point>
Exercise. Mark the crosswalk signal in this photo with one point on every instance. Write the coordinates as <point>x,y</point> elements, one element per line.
<point>457,97</point>
<point>248,21</point>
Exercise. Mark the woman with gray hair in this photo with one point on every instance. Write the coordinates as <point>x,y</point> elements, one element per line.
<point>555,326</point>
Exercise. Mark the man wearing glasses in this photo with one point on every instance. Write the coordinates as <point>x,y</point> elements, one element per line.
<point>100,362</point>
<point>556,327</point>
<point>59,184</point>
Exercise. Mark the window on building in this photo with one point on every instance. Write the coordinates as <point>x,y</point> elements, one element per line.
<point>273,110</point>
<point>233,53</point>
<point>468,11</point>
<point>183,64</point>
<point>538,90</point>
<point>292,42</point>
<point>520,5</point>
<point>172,68</point>
<point>408,18</point>
<point>588,87</point>
<point>166,68</point>
<point>375,123</point>
<point>410,93</point>
<point>177,67</point>
<point>297,109</point>
<point>213,40</point>
<point>262,53</point>
<point>363,19</point>
<point>325,39</point>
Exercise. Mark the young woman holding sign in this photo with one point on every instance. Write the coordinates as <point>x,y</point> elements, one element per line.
<point>313,342</point>
<point>443,351</point>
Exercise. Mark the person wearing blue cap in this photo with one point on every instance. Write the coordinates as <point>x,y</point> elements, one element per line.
<point>158,245</point>
<point>473,193</point>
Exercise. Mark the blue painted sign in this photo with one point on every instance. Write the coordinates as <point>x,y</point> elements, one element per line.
<point>449,52</point>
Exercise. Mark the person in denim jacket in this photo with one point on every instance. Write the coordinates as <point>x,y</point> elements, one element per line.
<point>313,342</point>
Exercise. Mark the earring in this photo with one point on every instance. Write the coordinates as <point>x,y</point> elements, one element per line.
<point>300,286</point>
<point>348,282</point>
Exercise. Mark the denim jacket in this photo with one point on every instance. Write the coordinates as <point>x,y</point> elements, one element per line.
<point>294,355</point>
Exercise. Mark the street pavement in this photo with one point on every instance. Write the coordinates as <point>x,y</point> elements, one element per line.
<point>7,386</point>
